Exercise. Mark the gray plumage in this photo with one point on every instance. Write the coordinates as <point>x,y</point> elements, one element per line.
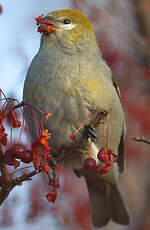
<point>71,80</point>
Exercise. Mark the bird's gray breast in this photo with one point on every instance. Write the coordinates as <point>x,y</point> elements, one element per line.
<point>55,87</point>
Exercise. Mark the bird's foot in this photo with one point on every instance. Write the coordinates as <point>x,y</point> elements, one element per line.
<point>89,132</point>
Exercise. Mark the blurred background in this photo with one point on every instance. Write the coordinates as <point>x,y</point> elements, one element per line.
<point>123,34</point>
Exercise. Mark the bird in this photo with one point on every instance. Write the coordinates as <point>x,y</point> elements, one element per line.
<point>69,78</point>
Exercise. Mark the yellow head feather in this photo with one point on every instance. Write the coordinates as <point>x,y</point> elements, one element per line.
<point>83,27</point>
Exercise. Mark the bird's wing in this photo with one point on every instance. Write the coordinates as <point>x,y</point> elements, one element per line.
<point>121,155</point>
<point>117,89</point>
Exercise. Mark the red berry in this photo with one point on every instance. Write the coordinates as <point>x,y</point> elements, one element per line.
<point>51,197</point>
<point>10,160</point>
<point>26,156</point>
<point>90,163</point>
<point>103,155</point>
<point>17,149</point>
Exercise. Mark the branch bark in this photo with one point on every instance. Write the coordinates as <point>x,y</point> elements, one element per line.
<point>142,139</point>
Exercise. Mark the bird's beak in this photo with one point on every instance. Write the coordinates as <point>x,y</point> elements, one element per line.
<point>44,25</point>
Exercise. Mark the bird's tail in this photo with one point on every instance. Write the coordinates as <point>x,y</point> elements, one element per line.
<point>106,203</point>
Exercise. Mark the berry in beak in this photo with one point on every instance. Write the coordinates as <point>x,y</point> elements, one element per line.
<point>45,26</point>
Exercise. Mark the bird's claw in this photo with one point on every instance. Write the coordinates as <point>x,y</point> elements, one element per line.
<point>90,133</point>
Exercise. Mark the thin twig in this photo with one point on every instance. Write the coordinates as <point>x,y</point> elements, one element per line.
<point>19,105</point>
<point>142,139</point>
<point>17,170</point>
<point>25,177</point>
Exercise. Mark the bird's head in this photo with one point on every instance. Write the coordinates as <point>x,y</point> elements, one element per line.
<point>70,28</point>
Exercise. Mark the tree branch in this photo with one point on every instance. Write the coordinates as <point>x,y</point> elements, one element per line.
<point>142,139</point>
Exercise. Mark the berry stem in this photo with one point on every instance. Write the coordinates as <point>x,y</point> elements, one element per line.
<point>27,131</point>
<point>107,137</point>
<point>11,134</point>
<point>21,131</point>
<point>42,125</point>
<point>84,122</point>
<point>35,121</point>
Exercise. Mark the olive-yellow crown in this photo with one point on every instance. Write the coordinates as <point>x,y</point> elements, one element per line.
<point>72,26</point>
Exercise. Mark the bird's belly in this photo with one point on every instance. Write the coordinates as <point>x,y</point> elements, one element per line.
<point>68,117</point>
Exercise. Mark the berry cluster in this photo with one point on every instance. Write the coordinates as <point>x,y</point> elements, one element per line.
<point>40,158</point>
<point>105,156</point>
<point>16,153</point>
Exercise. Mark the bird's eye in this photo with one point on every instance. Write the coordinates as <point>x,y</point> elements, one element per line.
<point>67,21</point>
